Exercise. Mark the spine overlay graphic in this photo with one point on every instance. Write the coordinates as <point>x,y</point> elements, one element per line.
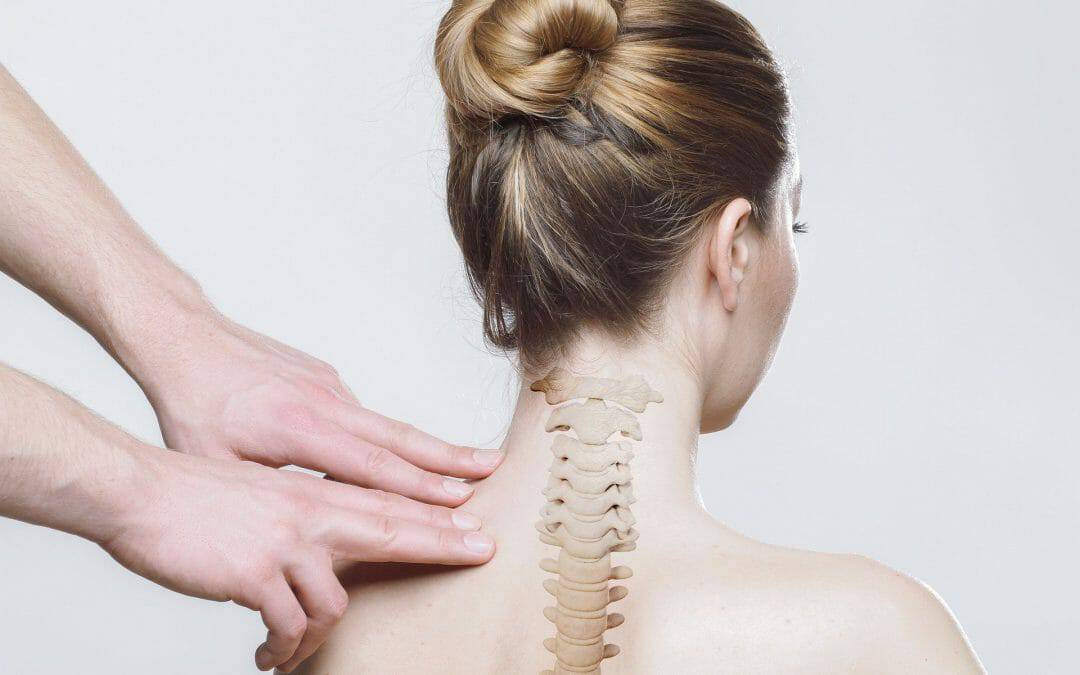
<point>588,514</point>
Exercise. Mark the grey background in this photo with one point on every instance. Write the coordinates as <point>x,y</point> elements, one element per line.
<point>922,407</point>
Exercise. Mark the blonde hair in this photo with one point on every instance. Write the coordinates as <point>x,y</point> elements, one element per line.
<point>589,140</point>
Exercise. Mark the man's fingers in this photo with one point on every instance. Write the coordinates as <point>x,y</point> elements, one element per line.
<point>348,496</point>
<point>354,460</point>
<point>419,448</point>
<point>285,621</point>
<point>375,538</point>
<point>324,601</point>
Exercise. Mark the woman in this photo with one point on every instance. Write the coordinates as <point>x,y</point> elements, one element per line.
<point>624,185</point>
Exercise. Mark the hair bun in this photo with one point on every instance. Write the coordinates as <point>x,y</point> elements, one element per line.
<point>497,57</point>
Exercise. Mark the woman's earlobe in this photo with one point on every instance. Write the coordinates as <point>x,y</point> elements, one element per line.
<point>730,295</point>
<point>739,256</point>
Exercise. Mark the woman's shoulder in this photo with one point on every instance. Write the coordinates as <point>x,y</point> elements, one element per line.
<point>900,623</point>
<point>821,611</point>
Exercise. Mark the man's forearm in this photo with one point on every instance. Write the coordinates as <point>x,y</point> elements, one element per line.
<point>218,389</point>
<point>61,466</point>
<point>66,237</point>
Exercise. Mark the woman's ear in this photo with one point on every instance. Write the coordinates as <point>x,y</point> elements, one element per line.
<point>728,250</point>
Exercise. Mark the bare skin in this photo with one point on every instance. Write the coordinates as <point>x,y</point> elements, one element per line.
<point>703,598</point>
<point>219,523</point>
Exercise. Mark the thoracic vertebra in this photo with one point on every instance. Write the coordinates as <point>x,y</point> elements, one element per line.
<point>588,510</point>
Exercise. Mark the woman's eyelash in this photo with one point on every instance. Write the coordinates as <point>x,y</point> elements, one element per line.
<point>800,227</point>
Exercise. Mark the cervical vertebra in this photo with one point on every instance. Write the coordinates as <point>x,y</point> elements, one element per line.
<point>588,510</point>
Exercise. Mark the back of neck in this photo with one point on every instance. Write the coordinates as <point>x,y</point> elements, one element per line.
<point>594,412</point>
<point>662,467</point>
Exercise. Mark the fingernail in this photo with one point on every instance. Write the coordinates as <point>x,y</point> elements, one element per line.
<point>487,457</point>
<point>456,488</point>
<point>262,657</point>
<point>465,521</point>
<point>479,543</point>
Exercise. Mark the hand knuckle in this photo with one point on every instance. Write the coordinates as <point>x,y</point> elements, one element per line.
<point>399,433</point>
<point>262,573</point>
<point>434,516</point>
<point>386,532</point>
<point>384,501</point>
<point>295,627</point>
<point>378,460</point>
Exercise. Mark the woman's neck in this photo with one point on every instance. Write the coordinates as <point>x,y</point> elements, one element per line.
<point>663,462</point>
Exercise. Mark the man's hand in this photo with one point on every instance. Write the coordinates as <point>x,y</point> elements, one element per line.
<point>266,539</point>
<point>221,390</point>
<point>222,529</point>
<point>218,389</point>
<point>213,528</point>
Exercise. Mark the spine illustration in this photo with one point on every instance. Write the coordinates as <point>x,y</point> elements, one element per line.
<point>588,513</point>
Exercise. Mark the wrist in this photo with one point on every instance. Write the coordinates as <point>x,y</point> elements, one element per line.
<point>90,493</point>
<point>105,494</point>
<point>62,466</point>
<point>145,327</point>
<point>121,499</point>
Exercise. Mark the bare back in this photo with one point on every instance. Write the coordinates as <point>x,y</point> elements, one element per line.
<point>702,600</point>
<point>698,599</point>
